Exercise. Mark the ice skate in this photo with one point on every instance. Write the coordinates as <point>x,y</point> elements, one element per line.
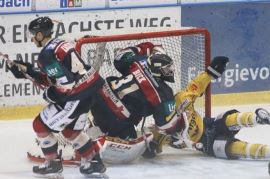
<point>94,168</point>
<point>50,168</point>
<point>263,116</point>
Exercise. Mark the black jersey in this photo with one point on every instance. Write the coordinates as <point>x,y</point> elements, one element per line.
<point>144,95</point>
<point>72,78</point>
<point>124,101</point>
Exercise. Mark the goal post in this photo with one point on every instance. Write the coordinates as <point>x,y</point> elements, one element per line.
<point>188,47</point>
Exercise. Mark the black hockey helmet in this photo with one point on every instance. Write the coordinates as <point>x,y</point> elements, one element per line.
<point>43,25</point>
<point>161,66</point>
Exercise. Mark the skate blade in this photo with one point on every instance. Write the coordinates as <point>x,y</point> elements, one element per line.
<point>96,176</point>
<point>50,176</point>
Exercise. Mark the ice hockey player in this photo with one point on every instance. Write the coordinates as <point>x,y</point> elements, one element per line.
<point>70,89</point>
<point>124,101</point>
<point>216,136</point>
<point>141,91</point>
<point>147,64</point>
<point>116,110</point>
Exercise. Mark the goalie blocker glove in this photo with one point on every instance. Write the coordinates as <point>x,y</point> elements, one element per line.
<point>217,66</point>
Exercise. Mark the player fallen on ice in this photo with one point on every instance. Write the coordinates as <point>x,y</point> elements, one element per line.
<point>184,126</point>
<point>214,136</point>
<point>70,86</point>
<point>141,93</point>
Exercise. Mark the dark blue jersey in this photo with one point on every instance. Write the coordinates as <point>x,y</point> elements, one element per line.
<point>144,95</point>
<point>124,101</point>
<point>72,78</point>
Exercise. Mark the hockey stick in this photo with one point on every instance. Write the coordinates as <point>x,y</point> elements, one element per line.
<point>99,56</point>
<point>143,134</point>
<point>22,69</point>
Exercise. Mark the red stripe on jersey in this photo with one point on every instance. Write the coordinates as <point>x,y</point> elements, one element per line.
<point>145,84</point>
<point>114,103</point>
<point>62,49</point>
<point>87,80</point>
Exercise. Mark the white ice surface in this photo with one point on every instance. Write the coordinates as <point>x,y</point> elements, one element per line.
<point>16,138</point>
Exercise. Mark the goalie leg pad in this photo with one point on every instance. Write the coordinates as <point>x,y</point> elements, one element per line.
<point>119,151</point>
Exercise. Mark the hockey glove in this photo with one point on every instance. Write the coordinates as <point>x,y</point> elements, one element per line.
<point>217,66</point>
<point>16,71</point>
<point>145,48</point>
<point>50,95</point>
<point>20,68</point>
<point>158,49</point>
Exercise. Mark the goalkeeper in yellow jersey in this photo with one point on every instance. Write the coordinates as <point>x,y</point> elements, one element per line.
<point>214,136</point>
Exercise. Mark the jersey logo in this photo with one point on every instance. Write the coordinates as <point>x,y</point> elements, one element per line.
<point>194,88</point>
<point>193,129</point>
<point>169,108</point>
<point>54,70</point>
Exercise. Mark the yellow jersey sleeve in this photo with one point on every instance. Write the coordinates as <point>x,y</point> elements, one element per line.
<point>185,99</point>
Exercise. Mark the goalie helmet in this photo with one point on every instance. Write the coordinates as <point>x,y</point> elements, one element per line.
<point>161,66</point>
<point>43,25</point>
